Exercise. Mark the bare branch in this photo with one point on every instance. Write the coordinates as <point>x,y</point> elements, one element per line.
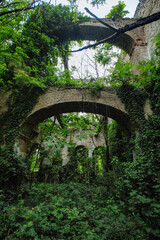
<point>58,117</point>
<point>139,23</point>
<point>106,24</point>
<point>113,22</point>
<point>97,43</point>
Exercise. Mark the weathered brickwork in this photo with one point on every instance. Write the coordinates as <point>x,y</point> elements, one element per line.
<point>138,42</point>
<point>90,141</point>
<point>94,30</point>
<point>62,100</point>
<point>56,95</point>
<point>144,9</point>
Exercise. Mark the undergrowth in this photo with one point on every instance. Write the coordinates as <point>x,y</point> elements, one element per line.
<point>66,211</point>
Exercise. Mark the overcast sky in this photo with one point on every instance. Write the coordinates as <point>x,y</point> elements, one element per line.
<point>101,11</point>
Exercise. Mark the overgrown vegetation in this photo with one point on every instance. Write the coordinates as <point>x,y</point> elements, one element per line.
<point>111,194</point>
<point>118,11</point>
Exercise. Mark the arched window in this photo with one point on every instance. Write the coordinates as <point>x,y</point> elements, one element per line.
<point>98,159</point>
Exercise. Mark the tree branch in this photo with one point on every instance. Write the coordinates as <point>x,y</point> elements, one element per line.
<point>15,11</point>
<point>97,43</point>
<point>28,7</point>
<point>106,24</point>
<point>8,5</point>
<point>139,23</point>
<point>58,116</point>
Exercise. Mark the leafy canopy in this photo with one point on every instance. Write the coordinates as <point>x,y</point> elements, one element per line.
<point>93,2</point>
<point>31,42</point>
<point>118,11</point>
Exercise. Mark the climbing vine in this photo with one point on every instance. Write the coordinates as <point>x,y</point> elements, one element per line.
<point>140,179</point>
<point>28,66</point>
<point>128,183</point>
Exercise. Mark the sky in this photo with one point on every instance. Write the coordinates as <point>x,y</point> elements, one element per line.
<point>101,11</point>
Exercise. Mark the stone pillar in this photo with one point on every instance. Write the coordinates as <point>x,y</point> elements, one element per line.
<point>21,146</point>
<point>65,158</point>
<point>146,8</point>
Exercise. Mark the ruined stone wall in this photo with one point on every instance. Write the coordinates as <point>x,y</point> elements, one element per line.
<point>144,9</point>
<point>79,138</point>
<point>4,97</point>
<point>90,141</point>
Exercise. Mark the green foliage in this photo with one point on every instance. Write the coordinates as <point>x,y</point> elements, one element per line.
<point>98,161</point>
<point>67,211</point>
<point>13,118</point>
<point>140,178</point>
<point>29,55</point>
<point>54,137</point>
<point>12,171</point>
<point>118,11</point>
<point>13,8</point>
<point>119,143</point>
<point>119,203</point>
<point>11,28</point>
<point>122,74</point>
<point>97,2</point>
<point>105,54</point>
<point>93,2</point>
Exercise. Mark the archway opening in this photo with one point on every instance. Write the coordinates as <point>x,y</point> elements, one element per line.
<point>78,146</point>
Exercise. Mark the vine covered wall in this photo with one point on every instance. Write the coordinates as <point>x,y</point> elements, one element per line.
<point>144,9</point>
<point>129,186</point>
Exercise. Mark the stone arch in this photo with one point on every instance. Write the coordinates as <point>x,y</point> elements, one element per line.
<point>131,42</point>
<point>57,100</point>
<point>81,154</point>
<point>90,141</point>
<point>94,32</point>
<point>78,147</point>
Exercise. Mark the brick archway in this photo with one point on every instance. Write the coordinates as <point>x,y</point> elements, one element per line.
<point>57,100</point>
<point>133,42</point>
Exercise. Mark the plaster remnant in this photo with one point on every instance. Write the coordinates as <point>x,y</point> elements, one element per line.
<point>147,109</point>
<point>4,96</point>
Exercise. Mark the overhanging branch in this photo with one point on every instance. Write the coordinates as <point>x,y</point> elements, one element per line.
<point>105,24</point>
<point>139,23</point>
<point>28,7</point>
